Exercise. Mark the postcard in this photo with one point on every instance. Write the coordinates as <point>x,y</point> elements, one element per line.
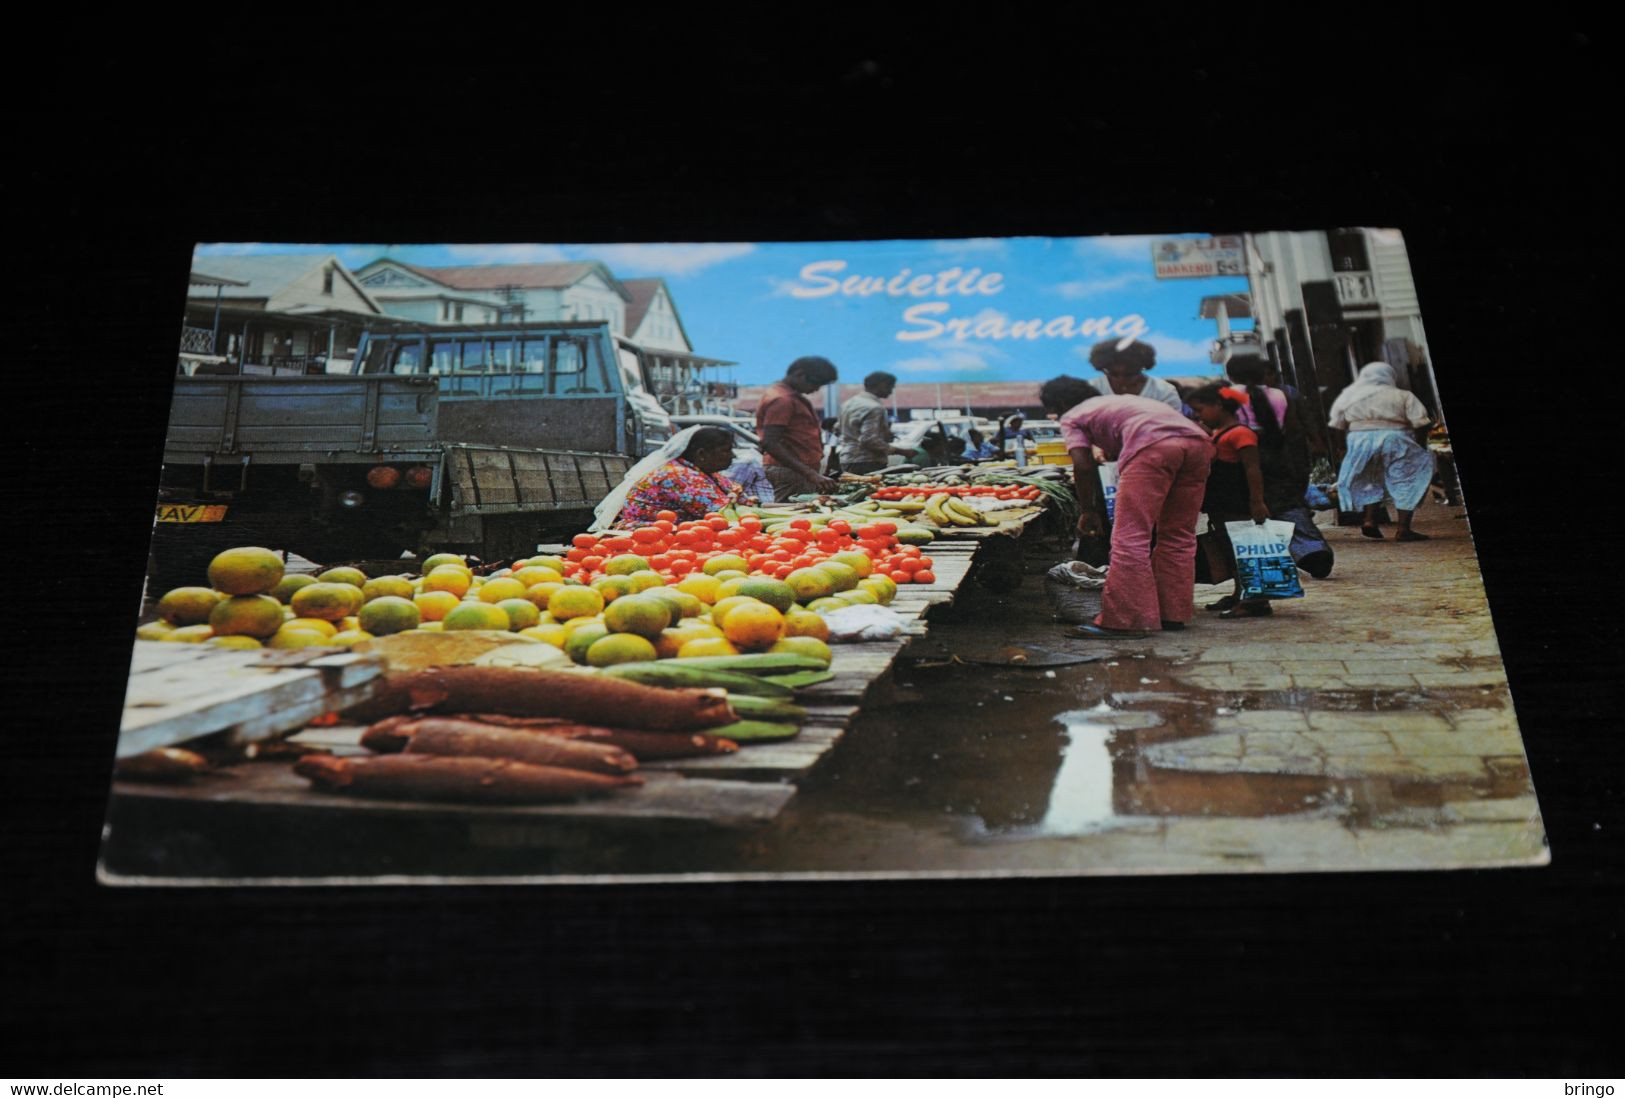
<point>876,558</point>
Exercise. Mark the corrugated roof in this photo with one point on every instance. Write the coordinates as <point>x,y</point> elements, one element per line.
<point>526,276</point>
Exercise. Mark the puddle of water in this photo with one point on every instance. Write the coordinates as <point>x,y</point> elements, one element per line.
<point>1081,798</point>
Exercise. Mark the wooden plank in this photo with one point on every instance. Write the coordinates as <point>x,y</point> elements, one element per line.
<point>663,798</point>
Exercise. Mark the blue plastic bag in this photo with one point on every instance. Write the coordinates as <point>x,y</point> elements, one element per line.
<point>1108,488</point>
<point>1264,565</point>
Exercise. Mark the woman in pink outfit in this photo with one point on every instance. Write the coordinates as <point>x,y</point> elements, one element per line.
<point>1162,467</point>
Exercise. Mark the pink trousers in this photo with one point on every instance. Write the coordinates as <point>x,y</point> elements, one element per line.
<point>1159,488</point>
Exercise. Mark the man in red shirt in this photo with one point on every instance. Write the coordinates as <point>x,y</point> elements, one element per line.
<point>792,431</point>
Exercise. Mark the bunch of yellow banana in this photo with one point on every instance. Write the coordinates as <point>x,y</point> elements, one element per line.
<point>944,510</point>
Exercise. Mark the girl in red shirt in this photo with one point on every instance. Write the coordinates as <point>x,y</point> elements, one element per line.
<point>1235,486</point>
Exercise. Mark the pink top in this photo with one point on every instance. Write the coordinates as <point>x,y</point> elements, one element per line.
<point>1124,425</point>
<point>1277,405</point>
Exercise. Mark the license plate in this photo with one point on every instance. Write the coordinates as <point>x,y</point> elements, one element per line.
<point>191,512</point>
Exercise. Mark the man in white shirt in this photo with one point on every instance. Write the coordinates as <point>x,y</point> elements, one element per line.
<point>864,428</point>
<point>1125,372</point>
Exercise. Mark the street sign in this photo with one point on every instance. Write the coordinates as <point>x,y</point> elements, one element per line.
<point>1202,257</point>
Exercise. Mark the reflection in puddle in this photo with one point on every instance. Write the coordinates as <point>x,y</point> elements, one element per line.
<point>1081,799</point>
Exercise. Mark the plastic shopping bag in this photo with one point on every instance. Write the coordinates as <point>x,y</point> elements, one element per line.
<point>1264,559</point>
<point>1108,487</point>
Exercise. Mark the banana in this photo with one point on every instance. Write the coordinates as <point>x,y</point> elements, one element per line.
<point>934,511</point>
<point>958,513</point>
<point>908,506</point>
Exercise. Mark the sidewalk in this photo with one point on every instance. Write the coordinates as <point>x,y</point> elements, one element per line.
<point>1366,726</point>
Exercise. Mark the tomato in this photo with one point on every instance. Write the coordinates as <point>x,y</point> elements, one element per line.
<point>873,531</point>
<point>592,563</point>
<point>584,541</point>
<point>907,551</point>
<point>681,567</point>
<point>925,562</point>
<point>886,527</point>
<point>660,562</point>
<point>909,565</point>
<point>841,526</point>
<point>685,537</point>
<point>900,577</point>
<point>729,538</point>
<point>925,575</point>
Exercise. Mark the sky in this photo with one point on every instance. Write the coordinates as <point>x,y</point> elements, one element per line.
<point>1004,309</point>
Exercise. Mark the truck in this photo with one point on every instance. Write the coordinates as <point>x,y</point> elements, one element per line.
<point>481,440</point>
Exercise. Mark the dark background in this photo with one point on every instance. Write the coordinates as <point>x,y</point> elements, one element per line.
<point>1487,148</point>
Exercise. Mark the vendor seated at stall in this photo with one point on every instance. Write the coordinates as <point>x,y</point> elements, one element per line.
<point>683,477</point>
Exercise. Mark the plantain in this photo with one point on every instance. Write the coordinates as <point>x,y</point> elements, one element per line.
<point>662,673</point>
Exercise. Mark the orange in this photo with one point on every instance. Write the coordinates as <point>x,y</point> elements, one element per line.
<point>811,583</point>
<point>386,585</point>
<point>476,615</point>
<point>326,628</point>
<point>846,577</point>
<point>859,595</point>
<point>719,612</point>
<point>154,631</point>
<point>613,587</point>
<point>248,570</point>
<point>776,593</point>
<point>189,634</point>
<point>246,615</point>
<point>625,564</point>
<point>522,613</point>
<point>555,564</point>
<point>707,646</point>
<point>619,648</point>
<point>355,577</point>
<point>298,638</point>
<point>188,605</point>
<point>728,588</point>
<point>701,586</point>
<point>390,614</point>
<point>434,605</point>
<point>234,640</point>
<point>494,591</point>
<point>681,605</point>
<point>580,640</point>
<point>540,593</point>
<point>351,636</point>
<point>725,562</point>
<point>753,627</point>
<point>646,616</point>
<point>575,602</point>
<point>328,601</point>
<point>548,634</point>
<point>285,588</point>
<point>805,623</point>
<point>443,558</point>
<point>882,587</point>
<point>432,627</point>
<point>449,578</point>
<point>531,576</point>
<point>826,604</point>
<point>858,562</point>
<point>644,581</point>
<point>804,646</point>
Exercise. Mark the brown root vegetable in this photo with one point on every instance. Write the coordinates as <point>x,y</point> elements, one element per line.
<point>648,746</point>
<point>469,780</point>
<point>388,735</point>
<point>529,693</point>
<point>445,736</point>
<point>163,764</point>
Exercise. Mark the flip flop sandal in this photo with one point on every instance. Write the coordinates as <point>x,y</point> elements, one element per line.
<point>1100,632</point>
<point>1371,532</point>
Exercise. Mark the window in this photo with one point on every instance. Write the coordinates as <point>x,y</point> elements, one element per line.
<point>457,312</point>
<point>407,359</point>
<point>474,358</point>
<point>442,356</point>
<point>502,356</point>
<point>576,368</point>
<point>327,281</point>
<point>533,356</point>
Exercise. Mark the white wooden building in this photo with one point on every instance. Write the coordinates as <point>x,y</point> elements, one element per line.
<point>498,293</point>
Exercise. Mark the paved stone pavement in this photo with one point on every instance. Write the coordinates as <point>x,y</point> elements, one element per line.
<point>1366,726</point>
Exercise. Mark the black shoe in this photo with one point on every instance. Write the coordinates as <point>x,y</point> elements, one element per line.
<point>1257,609</point>
<point>1172,626</point>
<point>1223,604</point>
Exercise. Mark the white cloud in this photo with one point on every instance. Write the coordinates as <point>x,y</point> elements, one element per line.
<point>481,254</point>
<point>964,362</point>
<point>983,350</point>
<point>1089,287</point>
<point>993,244</point>
<point>1171,351</point>
<point>664,259</point>
<point>1115,247</point>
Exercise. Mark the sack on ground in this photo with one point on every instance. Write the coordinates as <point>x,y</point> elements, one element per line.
<point>1264,559</point>
<point>1213,561</point>
<point>1073,605</point>
<point>1079,574</point>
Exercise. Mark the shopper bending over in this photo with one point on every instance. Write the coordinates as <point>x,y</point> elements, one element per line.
<point>1162,468</point>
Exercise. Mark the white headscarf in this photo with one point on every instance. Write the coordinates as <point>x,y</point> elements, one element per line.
<point>1375,397</point>
<point>605,513</point>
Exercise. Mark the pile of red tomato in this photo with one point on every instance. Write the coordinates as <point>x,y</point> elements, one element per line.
<point>674,549</point>
<point>926,491</point>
